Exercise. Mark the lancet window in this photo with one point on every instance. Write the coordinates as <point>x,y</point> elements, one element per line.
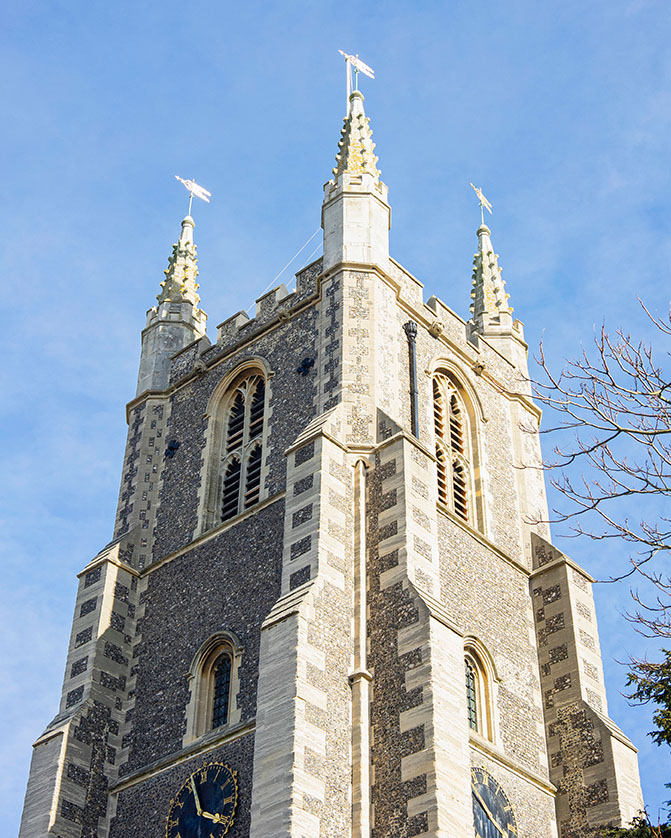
<point>221,689</point>
<point>453,449</point>
<point>479,682</point>
<point>213,682</point>
<point>471,695</point>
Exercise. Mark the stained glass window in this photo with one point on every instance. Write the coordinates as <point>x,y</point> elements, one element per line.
<point>222,689</point>
<point>471,696</point>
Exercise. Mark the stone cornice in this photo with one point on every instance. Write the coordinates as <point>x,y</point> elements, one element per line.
<point>213,533</point>
<point>488,749</point>
<point>195,749</point>
<point>478,536</point>
<point>558,562</point>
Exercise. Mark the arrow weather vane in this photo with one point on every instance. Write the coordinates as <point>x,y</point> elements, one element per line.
<point>484,203</point>
<point>359,67</point>
<point>195,189</point>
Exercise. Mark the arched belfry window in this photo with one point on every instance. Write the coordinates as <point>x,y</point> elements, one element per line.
<point>213,680</point>
<point>235,448</point>
<point>454,449</point>
<point>480,686</point>
<point>243,447</point>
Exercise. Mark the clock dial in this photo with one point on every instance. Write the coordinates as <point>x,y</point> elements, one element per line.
<point>493,815</point>
<point>204,807</point>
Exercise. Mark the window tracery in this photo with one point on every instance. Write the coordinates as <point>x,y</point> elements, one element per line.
<point>454,449</point>
<point>235,448</point>
<point>241,463</point>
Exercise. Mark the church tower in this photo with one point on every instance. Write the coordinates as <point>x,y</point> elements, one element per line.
<point>329,608</point>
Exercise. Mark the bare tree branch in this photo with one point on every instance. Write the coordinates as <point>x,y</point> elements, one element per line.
<point>613,404</point>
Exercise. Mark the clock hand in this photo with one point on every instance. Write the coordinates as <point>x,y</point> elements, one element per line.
<point>199,808</point>
<point>215,818</point>
<point>488,813</point>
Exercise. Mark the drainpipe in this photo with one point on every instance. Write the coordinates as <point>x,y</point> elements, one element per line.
<point>411,333</point>
<point>360,678</point>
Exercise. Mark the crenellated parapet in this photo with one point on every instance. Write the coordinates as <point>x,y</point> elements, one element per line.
<point>274,310</point>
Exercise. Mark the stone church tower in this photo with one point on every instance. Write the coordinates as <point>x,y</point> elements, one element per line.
<point>326,610</point>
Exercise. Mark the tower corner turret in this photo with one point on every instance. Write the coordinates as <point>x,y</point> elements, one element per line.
<point>176,320</point>
<point>356,215</point>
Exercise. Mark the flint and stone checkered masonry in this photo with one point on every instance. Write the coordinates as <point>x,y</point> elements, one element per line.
<point>352,591</point>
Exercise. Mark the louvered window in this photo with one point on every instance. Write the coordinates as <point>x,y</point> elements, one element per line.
<point>253,483</point>
<point>256,410</point>
<point>454,467</point>
<point>236,423</point>
<point>222,689</point>
<point>439,424</point>
<point>242,448</point>
<point>231,490</point>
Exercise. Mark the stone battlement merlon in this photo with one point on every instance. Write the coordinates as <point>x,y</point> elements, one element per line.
<point>271,305</point>
<point>277,307</point>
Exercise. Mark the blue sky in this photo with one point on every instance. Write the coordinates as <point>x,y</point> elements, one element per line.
<point>561,111</point>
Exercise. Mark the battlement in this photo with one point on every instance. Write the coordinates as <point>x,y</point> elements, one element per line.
<point>275,306</point>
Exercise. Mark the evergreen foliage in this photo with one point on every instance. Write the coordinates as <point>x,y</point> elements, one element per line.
<point>652,682</point>
<point>640,828</point>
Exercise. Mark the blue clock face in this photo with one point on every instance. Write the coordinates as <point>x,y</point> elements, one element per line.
<point>493,815</point>
<point>204,807</point>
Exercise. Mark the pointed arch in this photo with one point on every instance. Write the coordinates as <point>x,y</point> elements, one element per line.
<point>455,421</point>
<point>236,442</point>
<point>214,683</point>
<point>480,683</point>
<point>462,376</point>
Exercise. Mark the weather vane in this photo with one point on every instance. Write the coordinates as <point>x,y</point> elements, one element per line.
<point>359,67</point>
<point>484,203</point>
<point>195,189</point>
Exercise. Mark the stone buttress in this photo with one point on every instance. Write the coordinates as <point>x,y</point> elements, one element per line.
<point>593,764</point>
<point>74,760</point>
